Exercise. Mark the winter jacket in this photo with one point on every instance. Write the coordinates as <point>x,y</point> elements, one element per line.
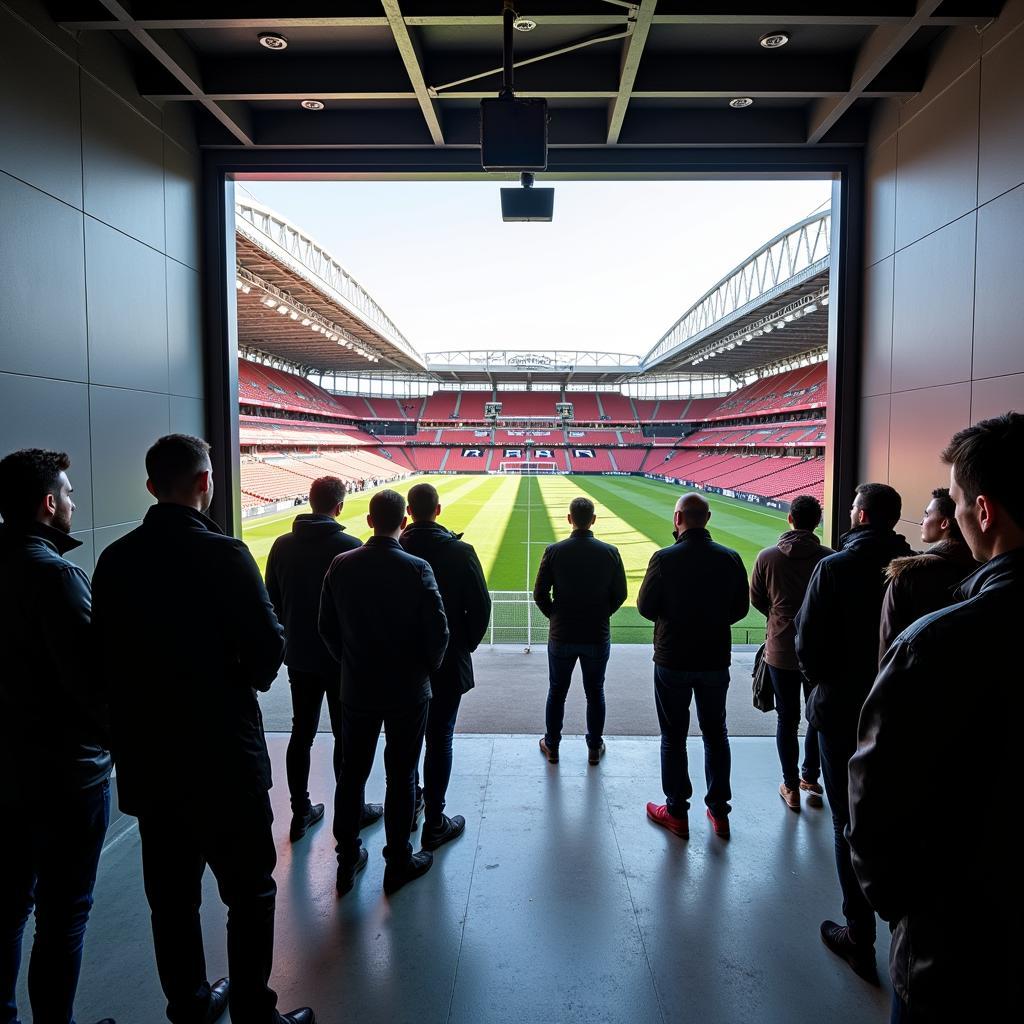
<point>53,718</point>
<point>777,587</point>
<point>186,635</point>
<point>919,584</point>
<point>296,567</point>
<point>589,585</point>
<point>382,618</point>
<point>930,826</point>
<point>694,591</point>
<point>837,626</point>
<point>467,602</point>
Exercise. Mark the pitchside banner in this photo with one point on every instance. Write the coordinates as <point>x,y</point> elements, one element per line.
<point>472,453</point>
<point>752,499</point>
<point>583,453</point>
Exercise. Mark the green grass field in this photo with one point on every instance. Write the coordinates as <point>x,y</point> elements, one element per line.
<point>499,514</point>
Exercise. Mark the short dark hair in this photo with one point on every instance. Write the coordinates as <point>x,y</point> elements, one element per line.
<point>986,460</point>
<point>805,511</point>
<point>947,509</point>
<point>882,503</point>
<point>581,512</point>
<point>173,462</point>
<point>325,492</point>
<point>26,477</point>
<point>387,509</point>
<point>423,500</point>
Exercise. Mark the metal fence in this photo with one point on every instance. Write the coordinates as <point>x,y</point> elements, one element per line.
<point>516,620</point>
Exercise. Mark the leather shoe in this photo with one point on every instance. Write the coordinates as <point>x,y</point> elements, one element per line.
<point>300,822</point>
<point>437,835</point>
<point>218,1000</point>
<point>107,1020</point>
<point>347,872</point>
<point>371,813</point>
<point>417,865</point>
<point>860,956</point>
<point>303,1015</point>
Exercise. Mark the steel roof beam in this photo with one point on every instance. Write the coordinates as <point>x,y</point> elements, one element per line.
<point>411,57</point>
<point>632,52</point>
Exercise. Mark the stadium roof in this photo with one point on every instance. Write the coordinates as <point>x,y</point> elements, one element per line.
<point>565,368</point>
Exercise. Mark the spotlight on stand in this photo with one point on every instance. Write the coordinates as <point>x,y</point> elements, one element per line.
<point>527,204</point>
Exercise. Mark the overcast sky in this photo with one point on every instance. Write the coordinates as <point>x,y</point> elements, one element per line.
<point>619,264</point>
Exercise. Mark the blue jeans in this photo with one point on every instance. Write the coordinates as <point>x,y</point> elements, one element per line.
<point>673,691</point>
<point>562,658</point>
<point>787,685</point>
<point>48,861</point>
<point>437,761</point>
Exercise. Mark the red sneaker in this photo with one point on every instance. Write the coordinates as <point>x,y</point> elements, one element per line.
<point>720,825</point>
<point>658,813</point>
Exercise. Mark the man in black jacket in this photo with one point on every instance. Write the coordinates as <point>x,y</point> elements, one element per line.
<point>187,635</point>
<point>589,584</point>
<point>382,618</point>
<point>296,567</point>
<point>693,591</point>
<point>837,647</point>
<point>952,896</point>
<point>467,607</point>
<point>54,762</point>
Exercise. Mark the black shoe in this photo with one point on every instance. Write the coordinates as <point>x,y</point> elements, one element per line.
<point>107,1020</point>
<point>551,753</point>
<point>347,872</point>
<point>371,813</point>
<point>417,865</point>
<point>859,955</point>
<point>417,810</point>
<point>596,753</point>
<point>218,1001</point>
<point>437,835</point>
<point>303,1015</point>
<point>300,822</point>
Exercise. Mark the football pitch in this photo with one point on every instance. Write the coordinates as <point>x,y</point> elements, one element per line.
<point>510,520</point>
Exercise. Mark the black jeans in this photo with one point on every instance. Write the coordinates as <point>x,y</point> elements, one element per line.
<point>788,685</point>
<point>403,743</point>
<point>235,839</point>
<point>673,691</point>
<point>308,692</point>
<point>900,1012</point>
<point>48,858</point>
<point>437,761</point>
<point>562,658</point>
<point>837,747</point>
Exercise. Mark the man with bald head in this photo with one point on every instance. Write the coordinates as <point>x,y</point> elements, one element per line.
<point>694,591</point>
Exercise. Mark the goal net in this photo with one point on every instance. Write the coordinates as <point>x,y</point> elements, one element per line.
<point>515,619</point>
<point>524,467</point>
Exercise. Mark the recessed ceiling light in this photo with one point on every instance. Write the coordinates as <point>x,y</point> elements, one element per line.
<point>273,41</point>
<point>773,40</point>
<point>311,105</point>
<point>740,102</point>
<point>521,24</point>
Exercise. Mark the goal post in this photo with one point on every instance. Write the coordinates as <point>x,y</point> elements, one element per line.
<point>527,467</point>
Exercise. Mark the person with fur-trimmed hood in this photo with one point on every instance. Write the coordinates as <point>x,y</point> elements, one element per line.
<point>921,584</point>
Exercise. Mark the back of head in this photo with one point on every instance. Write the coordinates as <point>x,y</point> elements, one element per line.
<point>326,493</point>
<point>26,478</point>
<point>805,511</point>
<point>581,512</point>
<point>693,511</point>
<point>946,507</point>
<point>173,463</point>
<point>881,504</point>
<point>986,461</point>
<point>387,510</point>
<point>423,501</point>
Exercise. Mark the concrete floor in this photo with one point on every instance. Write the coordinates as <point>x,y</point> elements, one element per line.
<point>562,903</point>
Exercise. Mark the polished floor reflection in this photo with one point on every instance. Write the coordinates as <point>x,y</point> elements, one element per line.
<point>561,903</point>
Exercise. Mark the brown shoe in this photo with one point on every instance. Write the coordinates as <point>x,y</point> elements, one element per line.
<point>790,795</point>
<point>551,753</point>
<point>811,787</point>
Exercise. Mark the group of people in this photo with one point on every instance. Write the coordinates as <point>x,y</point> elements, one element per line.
<point>159,660</point>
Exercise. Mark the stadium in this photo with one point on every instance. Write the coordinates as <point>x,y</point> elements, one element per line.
<point>731,400</point>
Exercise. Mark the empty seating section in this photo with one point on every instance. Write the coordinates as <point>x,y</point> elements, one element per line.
<point>541,438</point>
<point>605,437</point>
<point>645,408</point>
<point>598,462</point>
<point>477,436</point>
<point>633,437</point>
<point>263,385</point>
<point>528,404</point>
<point>458,463</point>
<point>427,460</point>
<point>440,406</point>
<point>584,406</point>
<point>671,410</point>
<point>617,407</point>
<point>259,430</point>
<point>394,408</point>
<point>629,460</point>
<point>471,408</point>
<point>804,388</point>
<point>700,409</point>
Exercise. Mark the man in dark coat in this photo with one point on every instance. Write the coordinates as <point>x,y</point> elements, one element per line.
<point>777,587</point>
<point>296,567</point>
<point>580,584</point>
<point>694,591</point>
<point>54,761</point>
<point>382,618</point>
<point>186,636</point>
<point>919,584</point>
<point>837,646</point>
<point>952,895</point>
<point>467,607</point>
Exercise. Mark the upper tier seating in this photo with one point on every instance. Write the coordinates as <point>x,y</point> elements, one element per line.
<point>263,385</point>
<point>528,404</point>
<point>265,430</point>
<point>471,408</point>
<point>617,407</point>
<point>629,460</point>
<point>440,406</point>
<point>584,406</point>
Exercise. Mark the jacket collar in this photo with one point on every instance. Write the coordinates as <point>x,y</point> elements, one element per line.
<point>874,536</point>
<point>581,533</point>
<point>58,540</point>
<point>381,542</point>
<point>317,519</point>
<point>693,533</point>
<point>167,514</point>
<point>1007,568</point>
<point>431,526</point>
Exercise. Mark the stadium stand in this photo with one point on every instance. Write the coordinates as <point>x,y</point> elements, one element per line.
<point>440,406</point>
<point>585,408</point>
<point>617,407</point>
<point>471,406</point>
<point>529,404</point>
<point>629,460</point>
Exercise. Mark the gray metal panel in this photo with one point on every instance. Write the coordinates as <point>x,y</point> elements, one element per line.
<point>182,176</point>
<point>127,310</point>
<point>880,204</point>
<point>1001,136</point>
<point>997,395</point>
<point>39,113</point>
<point>85,556</point>
<point>188,416</point>
<point>124,424</point>
<point>184,330</point>
<point>39,413</point>
<point>873,461</point>
<point>42,300</point>
<point>933,306</point>
<point>876,338</point>
<point>122,155</point>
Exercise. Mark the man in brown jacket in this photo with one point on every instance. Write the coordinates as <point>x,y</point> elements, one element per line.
<point>777,586</point>
<point>921,584</point>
